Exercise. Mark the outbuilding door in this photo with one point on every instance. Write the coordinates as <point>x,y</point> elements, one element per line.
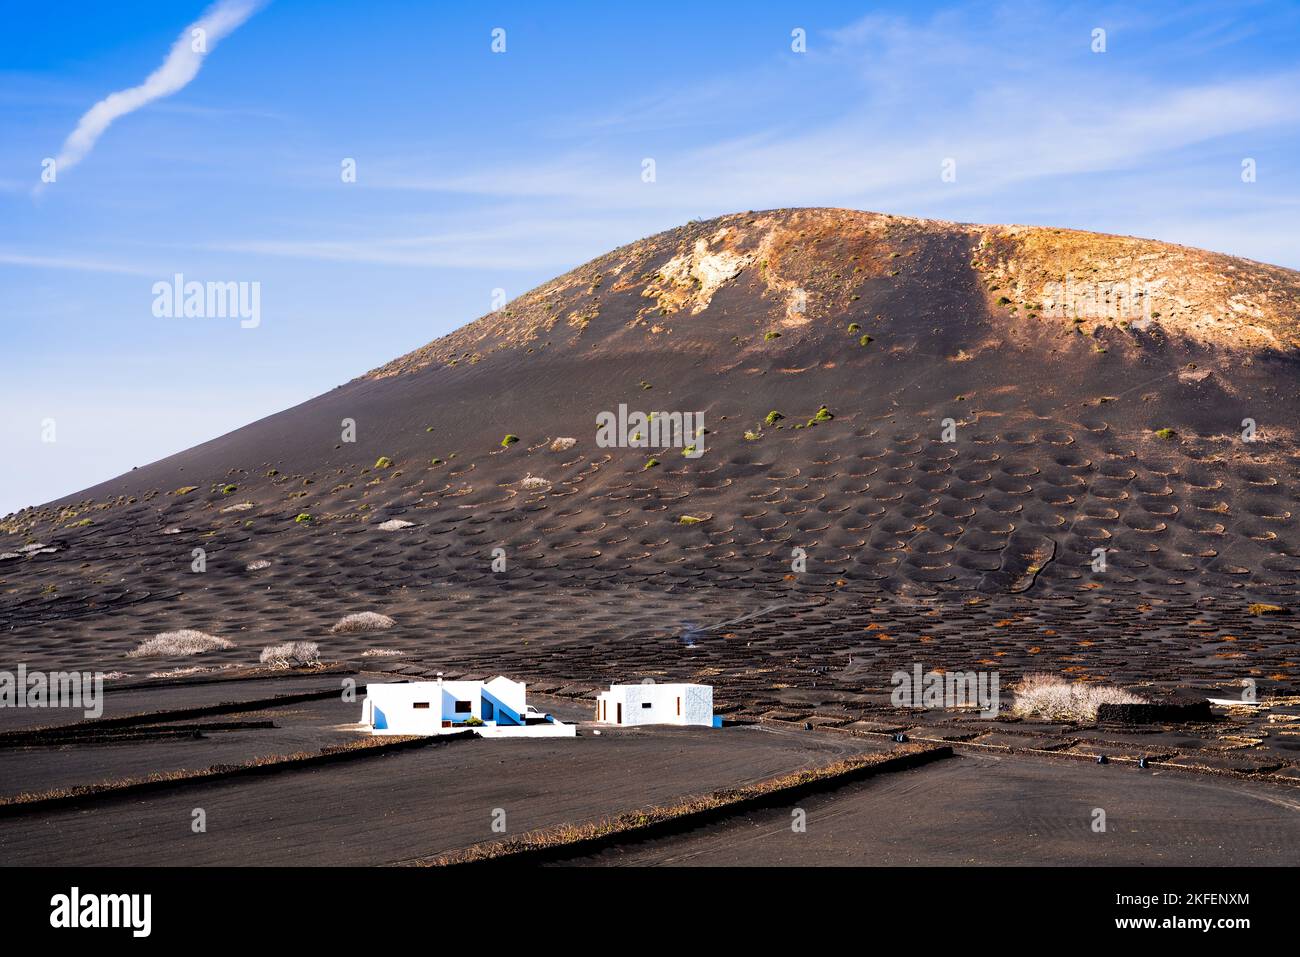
<point>620,712</point>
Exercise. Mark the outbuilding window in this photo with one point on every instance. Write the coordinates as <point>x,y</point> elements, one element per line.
<point>647,704</point>
<point>420,704</point>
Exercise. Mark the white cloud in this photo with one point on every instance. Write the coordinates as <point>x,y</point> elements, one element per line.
<point>509,242</point>
<point>181,66</point>
<point>998,137</point>
<point>872,112</point>
<point>66,262</point>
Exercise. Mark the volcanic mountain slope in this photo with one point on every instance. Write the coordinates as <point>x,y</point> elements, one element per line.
<point>925,441</point>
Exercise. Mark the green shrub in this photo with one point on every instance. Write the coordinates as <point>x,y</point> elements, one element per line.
<point>1167,434</point>
<point>769,336</point>
<point>509,440</point>
<point>302,518</point>
<point>650,463</point>
<point>383,462</point>
<point>773,417</point>
<point>854,327</point>
<point>229,488</point>
<point>865,340</point>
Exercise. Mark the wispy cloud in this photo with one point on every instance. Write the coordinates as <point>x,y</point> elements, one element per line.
<point>71,263</point>
<point>892,100</point>
<point>859,158</point>
<point>511,243</point>
<point>177,70</point>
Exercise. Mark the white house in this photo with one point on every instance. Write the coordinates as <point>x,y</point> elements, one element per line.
<point>492,709</point>
<point>657,704</point>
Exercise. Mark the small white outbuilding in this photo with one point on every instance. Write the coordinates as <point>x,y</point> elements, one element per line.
<point>650,703</point>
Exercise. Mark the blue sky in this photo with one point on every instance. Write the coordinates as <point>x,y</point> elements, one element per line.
<point>479,170</point>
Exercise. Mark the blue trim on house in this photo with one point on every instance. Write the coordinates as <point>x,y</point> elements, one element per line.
<point>380,720</point>
<point>505,714</point>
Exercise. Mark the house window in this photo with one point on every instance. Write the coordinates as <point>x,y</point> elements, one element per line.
<point>420,704</point>
<point>647,704</point>
<point>464,707</point>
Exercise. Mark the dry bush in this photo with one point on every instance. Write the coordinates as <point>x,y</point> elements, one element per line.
<point>534,483</point>
<point>362,622</point>
<point>257,566</point>
<point>563,444</point>
<point>182,672</point>
<point>187,641</point>
<point>1263,608</point>
<point>1048,696</point>
<point>291,654</point>
<point>382,653</point>
<point>395,525</point>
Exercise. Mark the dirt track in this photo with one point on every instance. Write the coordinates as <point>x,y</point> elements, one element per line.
<point>1003,811</point>
<point>387,809</point>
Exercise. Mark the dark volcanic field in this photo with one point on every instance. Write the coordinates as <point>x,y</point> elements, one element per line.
<point>972,551</point>
<point>969,554</point>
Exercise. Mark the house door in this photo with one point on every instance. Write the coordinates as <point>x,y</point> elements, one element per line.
<point>620,712</point>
